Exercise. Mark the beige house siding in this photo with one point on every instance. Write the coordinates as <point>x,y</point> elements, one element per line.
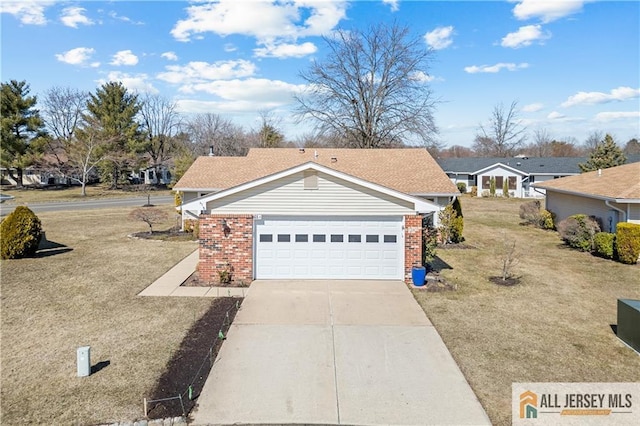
<point>565,205</point>
<point>634,213</point>
<point>333,196</point>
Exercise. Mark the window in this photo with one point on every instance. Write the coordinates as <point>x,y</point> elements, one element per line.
<point>372,238</point>
<point>319,238</point>
<point>150,174</point>
<point>302,238</point>
<point>513,182</point>
<point>266,238</point>
<point>354,238</point>
<point>337,238</point>
<point>499,182</point>
<point>486,182</point>
<point>284,238</point>
<point>390,239</point>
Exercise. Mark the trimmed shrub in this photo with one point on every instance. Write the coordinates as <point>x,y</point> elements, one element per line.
<point>505,189</point>
<point>21,233</point>
<point>492,186</point>
<point>429,244</point>
<point>462,187</point>
<point>603,244</point>
<point>627,242</point>
<point>474,191</point>
<point>578,230</point>
<point>192,226</point>
<point>547,219</point>
<point>530,212</point>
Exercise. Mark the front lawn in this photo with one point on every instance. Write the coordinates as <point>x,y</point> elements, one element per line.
<point>82,291</point>
<point>553,326</point>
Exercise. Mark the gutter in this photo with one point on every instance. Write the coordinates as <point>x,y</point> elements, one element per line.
<point>624,214</point>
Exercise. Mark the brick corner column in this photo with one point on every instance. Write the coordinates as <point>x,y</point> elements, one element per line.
<point>412,244</point>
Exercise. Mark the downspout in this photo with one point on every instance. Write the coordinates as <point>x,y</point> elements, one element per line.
<point>624,214</point>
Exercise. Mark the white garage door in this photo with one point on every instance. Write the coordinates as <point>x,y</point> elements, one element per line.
<point>329,247</point>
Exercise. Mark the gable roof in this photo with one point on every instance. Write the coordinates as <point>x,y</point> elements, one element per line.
<point>409,170</point>
<point>527,165</point>
<point>420,204</point>
<point>616,183</point>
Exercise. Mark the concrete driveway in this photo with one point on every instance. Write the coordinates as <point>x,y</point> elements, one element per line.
<point>335,352</point>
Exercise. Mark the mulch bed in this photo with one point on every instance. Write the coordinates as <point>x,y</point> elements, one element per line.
<point>436,282</point>
<point>506,283</point>
<point>195,281</point>
<point>171,234</point>
<point>191,363</point>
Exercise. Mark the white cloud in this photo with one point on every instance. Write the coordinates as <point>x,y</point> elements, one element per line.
<point>393,4</point>
<point>422,77</point>
<point>285,50</point>
<point>591,98</point>
<point>124,57</point>
<point>170,56</point>
<point>126,19</point>
<point>78,56</point>
<point>495,68</point>
<point>229,47</point>
<point>555,115</point>
<point>257,90</point>
<point>525,36</point>
<point>535,107</point>
<point>617,115</point>
<point>27,12</point>
<point>264,20</point>
<point>133,82</point>
<point>72,16</point>
<point>198,72</point>
<point>546,10</point>
<point>440,38</point>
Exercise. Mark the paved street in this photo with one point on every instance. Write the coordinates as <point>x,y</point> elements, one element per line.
<point>8,207</point>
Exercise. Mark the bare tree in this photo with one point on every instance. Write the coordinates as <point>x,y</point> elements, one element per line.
<point>372,89</point>
<point>212,130</point>
<point>63,109</point>
<point>270,136</point>
<point>161,124</point>
<point>149,215</point>
<point>593,140</point>
<point>541,146</point>
<point>504,134</point>
<point>86,150</point>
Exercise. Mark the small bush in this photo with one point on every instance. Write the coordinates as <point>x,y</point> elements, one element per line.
<point>192,226</point>
<point>530,212</point>
<point>21,232</point>
<point>603,244</point>
<point>578,231</point>
<point>627,242</point>
<point>462,187</point>
<point>429,244</point>
<point>474,191</point>
<point>486,193</point>
<point>547,219</point>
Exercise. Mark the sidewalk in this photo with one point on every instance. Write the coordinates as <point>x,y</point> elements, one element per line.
<point>169,284</point>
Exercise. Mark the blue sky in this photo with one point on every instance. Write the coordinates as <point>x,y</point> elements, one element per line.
<point>573,66</point>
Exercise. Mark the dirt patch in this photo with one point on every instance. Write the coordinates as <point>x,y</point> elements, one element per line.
<point>436,283</point>
<point>191,364</point>
<point>171,234</point>
<point>195,281</point>
<point>505,283</point>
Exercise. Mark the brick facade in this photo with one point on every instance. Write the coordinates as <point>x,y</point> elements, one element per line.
<point>412,244</point>
<point>226,240</point>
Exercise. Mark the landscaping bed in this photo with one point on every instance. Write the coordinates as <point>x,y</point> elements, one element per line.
<point>191,363</point>
<point>195,281</point>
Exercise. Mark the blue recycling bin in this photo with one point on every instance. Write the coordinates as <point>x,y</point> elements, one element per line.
<point>418,275</point>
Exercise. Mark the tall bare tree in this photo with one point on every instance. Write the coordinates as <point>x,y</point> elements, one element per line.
<point>504,134</point>
<point>592,141</point>
<point>160,124</point>
<point>372,88</point>
<point>212,130</point>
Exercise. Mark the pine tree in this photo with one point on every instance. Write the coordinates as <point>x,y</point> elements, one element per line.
<point>113,110</point>
<point>607,154</point>
<point>21,128</point>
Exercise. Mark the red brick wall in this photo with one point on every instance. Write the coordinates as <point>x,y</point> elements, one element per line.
<point>412,244</point>
<point>220,245</point>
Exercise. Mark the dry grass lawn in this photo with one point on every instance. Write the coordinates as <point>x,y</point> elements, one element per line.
<point>53,304</point>
<point>45,195</point>
<point>553,326</point>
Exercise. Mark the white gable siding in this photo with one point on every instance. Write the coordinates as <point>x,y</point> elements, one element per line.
<point>565,205</point>
<point>505,173</point>
<point>334,196</point>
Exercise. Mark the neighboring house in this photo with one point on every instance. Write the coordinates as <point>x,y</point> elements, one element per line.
<point>612,195</point>
<point>32,176</point>
<point>520,172</point>
<point>149,176</point>
<point>314,213</point>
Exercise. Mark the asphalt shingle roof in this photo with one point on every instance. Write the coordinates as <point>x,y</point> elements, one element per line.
<point>621,182</point>
<point>410,170</point>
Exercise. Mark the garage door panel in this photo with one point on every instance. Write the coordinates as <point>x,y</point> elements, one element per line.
<point>329,248</point>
